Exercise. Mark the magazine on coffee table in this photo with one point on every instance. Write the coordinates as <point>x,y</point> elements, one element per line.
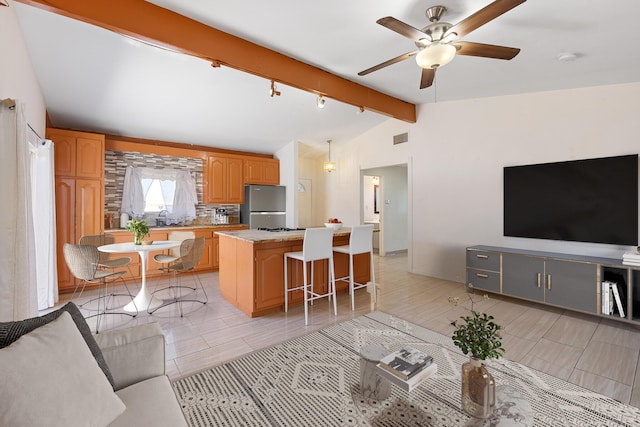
<point>406,362</point>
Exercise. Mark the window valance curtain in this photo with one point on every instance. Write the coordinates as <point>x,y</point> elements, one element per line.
<point>184,198</point>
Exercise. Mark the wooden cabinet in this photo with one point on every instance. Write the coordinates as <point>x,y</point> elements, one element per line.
<point>65,228</point>
<point>225,183</point>
<point>261,171</point>
<point>252,274</point>
<point>206,261</point>
<point>79,186</point>
<point>89,205</point>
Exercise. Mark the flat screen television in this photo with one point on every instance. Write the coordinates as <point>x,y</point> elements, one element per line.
<point>593,200</point>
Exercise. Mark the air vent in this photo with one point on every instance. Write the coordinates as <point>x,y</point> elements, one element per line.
<point>401,138</point>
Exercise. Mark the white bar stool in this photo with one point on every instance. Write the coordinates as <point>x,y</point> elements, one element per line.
<point>360,242</point>
<point>317,245</point>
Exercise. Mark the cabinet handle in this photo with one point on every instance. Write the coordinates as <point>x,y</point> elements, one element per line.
<point>539,277</point>
<point>549,281</point>
<point>482,256</point>
<point>482,276</point>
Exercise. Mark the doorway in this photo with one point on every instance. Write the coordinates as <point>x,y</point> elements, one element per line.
<point>384,203</point>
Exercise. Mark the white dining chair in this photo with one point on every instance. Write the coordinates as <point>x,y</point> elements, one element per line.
<point>317,245</point>
<point>360,242</point>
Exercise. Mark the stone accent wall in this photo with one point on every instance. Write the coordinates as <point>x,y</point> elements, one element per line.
<point>115,165</point>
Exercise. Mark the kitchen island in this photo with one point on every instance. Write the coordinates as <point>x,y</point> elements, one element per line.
<point>251,271</point>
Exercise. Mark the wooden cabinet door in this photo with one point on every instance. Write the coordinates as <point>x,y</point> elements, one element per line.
<point>262,171</point>
<point>253,171</point>
<point>89,206</point>
<point>235,181</point>
<point>269,278</point>
<point>216,179</point>
<point>271,171</point>
<point>89,158</point>
<point>206,261</point>
<point>65,153</point>
<point>215,252</point>
<point>65,213</point>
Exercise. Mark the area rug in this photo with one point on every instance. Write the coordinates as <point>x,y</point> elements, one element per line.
<point>314,380</point>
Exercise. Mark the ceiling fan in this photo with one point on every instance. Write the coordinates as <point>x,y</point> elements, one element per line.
<point>438,42</point>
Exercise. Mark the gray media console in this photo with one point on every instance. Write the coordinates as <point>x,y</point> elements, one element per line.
<point>600,286</point>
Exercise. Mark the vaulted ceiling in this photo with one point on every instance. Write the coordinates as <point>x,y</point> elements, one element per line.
<point>94,78</point>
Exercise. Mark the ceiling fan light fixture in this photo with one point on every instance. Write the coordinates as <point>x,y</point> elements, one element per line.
<point>435,55</point>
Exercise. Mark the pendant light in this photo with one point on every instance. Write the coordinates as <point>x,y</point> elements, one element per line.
<point>329,166</point>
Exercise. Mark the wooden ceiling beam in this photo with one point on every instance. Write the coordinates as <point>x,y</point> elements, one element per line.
<point>152,24</point>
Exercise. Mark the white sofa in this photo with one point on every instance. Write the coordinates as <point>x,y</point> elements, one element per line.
<point>54,372</point>
<point>136,359</point>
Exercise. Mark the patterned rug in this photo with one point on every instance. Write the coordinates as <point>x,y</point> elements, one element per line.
<point>314,380</point>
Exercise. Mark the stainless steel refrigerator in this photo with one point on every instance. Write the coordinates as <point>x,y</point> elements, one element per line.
<point>264,206</point>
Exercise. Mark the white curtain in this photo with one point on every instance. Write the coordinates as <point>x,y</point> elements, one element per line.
<point>18,291</point>
<point>184,198</point>
<point>44,219</point>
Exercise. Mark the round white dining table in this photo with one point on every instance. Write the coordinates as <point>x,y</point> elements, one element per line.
<point>144,300</point>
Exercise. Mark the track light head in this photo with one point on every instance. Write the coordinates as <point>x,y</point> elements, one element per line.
<point>320,101</point>
<point>274,90</point>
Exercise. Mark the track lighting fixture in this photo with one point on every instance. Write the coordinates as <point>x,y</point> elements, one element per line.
<point>360,110</point>
<point>320,101</point>
<point>274,90</point>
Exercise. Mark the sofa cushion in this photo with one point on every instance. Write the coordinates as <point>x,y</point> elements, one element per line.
<point>150,403</point>
<point>11,331</point>
<point>50,378</point>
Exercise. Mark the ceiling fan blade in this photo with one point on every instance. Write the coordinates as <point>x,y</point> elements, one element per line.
<point>401,28</point>
<point>484,15</point>
<point>486,50</point>
<point>387,63</point>
<point>428,74</point>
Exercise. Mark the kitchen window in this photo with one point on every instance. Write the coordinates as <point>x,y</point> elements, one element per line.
<point>148,190</point>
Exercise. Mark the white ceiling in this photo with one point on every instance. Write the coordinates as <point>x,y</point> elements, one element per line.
<point>93,79</point>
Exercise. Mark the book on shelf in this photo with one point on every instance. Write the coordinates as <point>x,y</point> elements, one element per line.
<point>616,295</point>
<point>411,383</point>
<point>611,300</point>
<point>604,294</point>
<point>406,362</point>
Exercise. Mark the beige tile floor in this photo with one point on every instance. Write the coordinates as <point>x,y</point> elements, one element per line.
<point>599,354</point>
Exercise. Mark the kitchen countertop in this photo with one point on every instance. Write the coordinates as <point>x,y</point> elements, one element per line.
<point>261,236</point>
<point>181,227</point>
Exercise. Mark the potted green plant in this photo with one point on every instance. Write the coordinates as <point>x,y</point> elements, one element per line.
<point>478,336</point>
<point>139,228</point>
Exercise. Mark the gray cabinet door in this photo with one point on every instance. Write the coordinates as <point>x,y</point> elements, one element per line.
<point>571,284</point>
<point>523,276</point>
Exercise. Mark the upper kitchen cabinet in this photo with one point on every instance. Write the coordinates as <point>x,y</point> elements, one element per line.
<point>225,183</point>
<point>78,154</point>
<point>262,171</point>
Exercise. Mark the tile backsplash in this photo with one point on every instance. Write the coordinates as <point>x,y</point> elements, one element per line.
<point>115,165</point>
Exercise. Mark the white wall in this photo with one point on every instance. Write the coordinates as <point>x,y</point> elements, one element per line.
<point>17,78</point>
<point>288,156</point>
<point>457,151</point>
